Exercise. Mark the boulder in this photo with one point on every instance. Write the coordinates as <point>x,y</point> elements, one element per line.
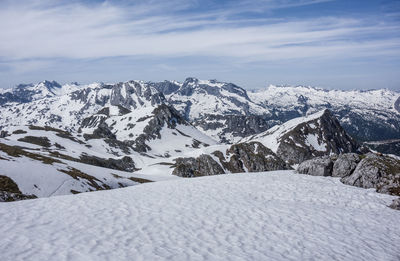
<point>345,164</point>
<point>320,166</point>
<point>395,204</point>
<point>376,171</point>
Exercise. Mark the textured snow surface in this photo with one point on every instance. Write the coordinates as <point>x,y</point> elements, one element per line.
<point>259,216</point>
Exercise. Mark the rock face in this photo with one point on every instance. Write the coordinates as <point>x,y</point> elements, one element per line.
<point>163,115</point>
<point>242,157</point>
<point>204,165</point>
<point>125,164</point>
<point>345,164</point>
<point>250,157</point>
<point>318,137</point>
<point>366,171</point>
<point>376,171</point>
<point>233,126</point>
<point>321,166</point>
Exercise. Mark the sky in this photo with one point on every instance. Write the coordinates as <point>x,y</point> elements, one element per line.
<point>333,44</point>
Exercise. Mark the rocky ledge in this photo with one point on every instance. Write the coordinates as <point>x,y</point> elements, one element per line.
<point>369,170</point>
<point>242,157</point>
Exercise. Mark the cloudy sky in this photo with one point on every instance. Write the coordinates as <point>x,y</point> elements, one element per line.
<point>326,43</point>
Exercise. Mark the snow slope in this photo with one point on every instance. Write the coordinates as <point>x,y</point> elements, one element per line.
<point>258,216</point>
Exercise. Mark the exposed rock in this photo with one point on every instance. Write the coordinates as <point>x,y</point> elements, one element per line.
<point>102,131</point>
<point>238,126</point>
<point>345,164</point>
<point>125,164</point>
<point>376,171</point>
<point>395,204</point>
<point>204,165</point>
<point>296,145</point>
<point>320,166</point>
<point>242,157</point>
<point>164,115</point>
<point>41,141</point>
<point>250,157</point>
<point>6,196</point>
<point>3,134</point>
<point>9,190</point>
<point>166,87</point>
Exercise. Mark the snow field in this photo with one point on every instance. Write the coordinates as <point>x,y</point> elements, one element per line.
<point>259,216</point>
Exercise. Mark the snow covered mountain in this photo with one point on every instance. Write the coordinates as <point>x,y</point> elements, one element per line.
<point>223,111</point>
<point>365,115</point>
<point>102,136</point>
<point>66,106</point>
<point>306,137</point>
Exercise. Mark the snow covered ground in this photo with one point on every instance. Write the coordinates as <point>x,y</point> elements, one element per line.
<point>258,216</point>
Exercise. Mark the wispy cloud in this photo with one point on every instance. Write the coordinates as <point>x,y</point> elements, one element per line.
<point>75,30</point>
<point>34,31</point>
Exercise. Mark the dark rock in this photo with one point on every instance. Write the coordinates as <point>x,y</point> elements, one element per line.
<point>101,132</point>
<point>41,141</point>
<point>125,164</point>
<point>204,165</point>
<point>294,147</point>
<point>163,115</point>
<point>3,134</point>
<point>250,157</point>
<point>243,157</point>
<point>9,190</point>
<point>345,164</point>
<point>233,125</point>
<point>6,196</point>
<point>320,166</point>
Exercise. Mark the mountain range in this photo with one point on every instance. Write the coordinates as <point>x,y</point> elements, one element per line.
<point>64,139</point>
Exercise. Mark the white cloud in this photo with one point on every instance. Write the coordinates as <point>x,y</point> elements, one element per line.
<point>163,28</point>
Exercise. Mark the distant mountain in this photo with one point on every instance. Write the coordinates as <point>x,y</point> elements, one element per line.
<point>77,138</point>
<point>223,111</point>
<point>365,115</point>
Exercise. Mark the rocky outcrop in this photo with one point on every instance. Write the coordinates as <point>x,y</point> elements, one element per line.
<point>204,165</point>
<point>125,164</point>
<point>321,166</point>
<point>318,137</point>
<point>163,115</point>
<point>238,126</point>
<point>367,171</point>
<point>345,164</point>
<point>242,157</point>
<point>9,190</point>
<point>250,157</point>
<point>376,171</point>
<point>101,132</point>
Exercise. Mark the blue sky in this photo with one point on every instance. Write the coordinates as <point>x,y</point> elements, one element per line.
<point>331,44</point>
